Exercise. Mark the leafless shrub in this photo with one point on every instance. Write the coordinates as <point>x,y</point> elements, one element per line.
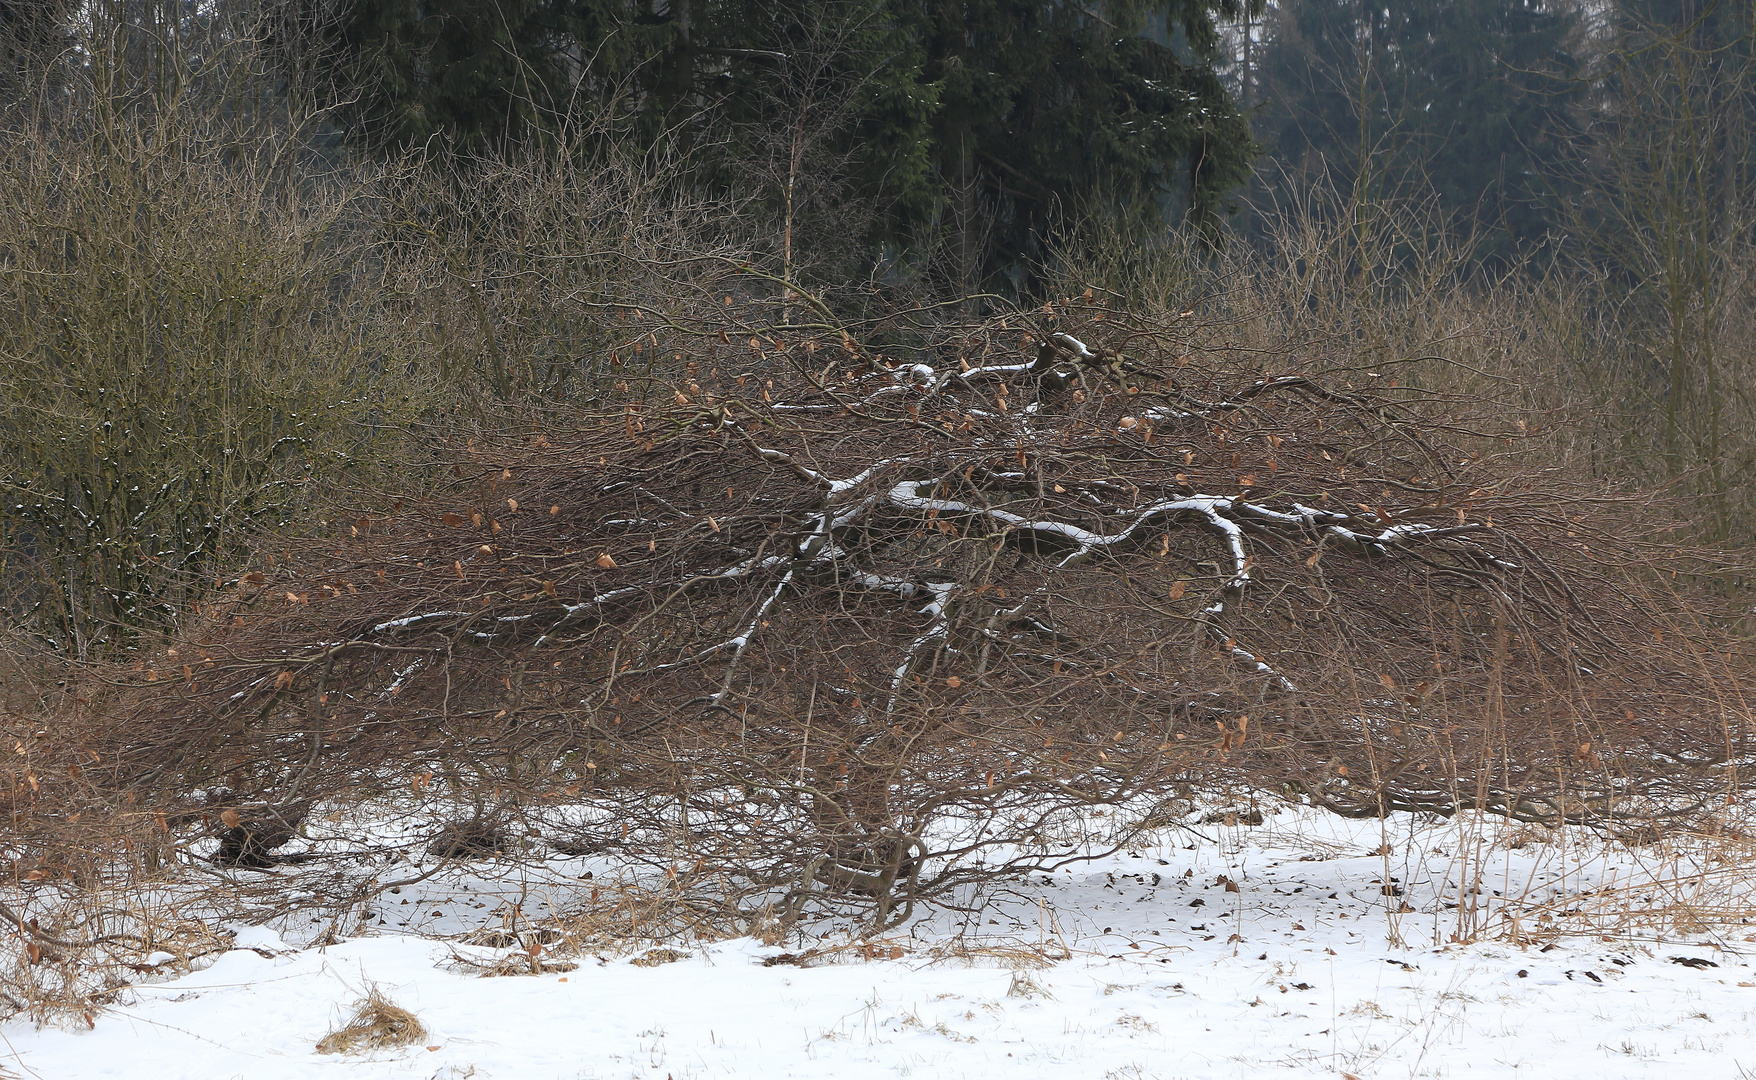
<point>191,333</point>
<point>834,630</point>
<point>560,273</point>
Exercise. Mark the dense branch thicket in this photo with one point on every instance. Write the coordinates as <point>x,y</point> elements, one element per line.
<point>826,624</point>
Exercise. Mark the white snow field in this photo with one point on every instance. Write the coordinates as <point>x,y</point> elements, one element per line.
<point>1338,948</point>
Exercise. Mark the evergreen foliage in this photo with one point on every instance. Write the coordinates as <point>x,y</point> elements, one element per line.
<point>974,129</point>
<point>478,74</point>
<point>1047,111</point>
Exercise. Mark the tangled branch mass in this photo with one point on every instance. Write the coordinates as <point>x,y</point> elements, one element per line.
<point>827,627</point>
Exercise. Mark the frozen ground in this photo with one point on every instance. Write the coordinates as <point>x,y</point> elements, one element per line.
<point>1338,948</point>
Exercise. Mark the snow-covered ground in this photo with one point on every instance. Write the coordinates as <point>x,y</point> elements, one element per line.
<point>1304,946</point>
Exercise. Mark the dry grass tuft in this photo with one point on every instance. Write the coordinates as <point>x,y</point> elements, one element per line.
<point>378,1024</point>
<point>1023,986</point>
<point>523,956</point>
<point>518,963</point>
<point>1018,955</point>
<point>656,957</point>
